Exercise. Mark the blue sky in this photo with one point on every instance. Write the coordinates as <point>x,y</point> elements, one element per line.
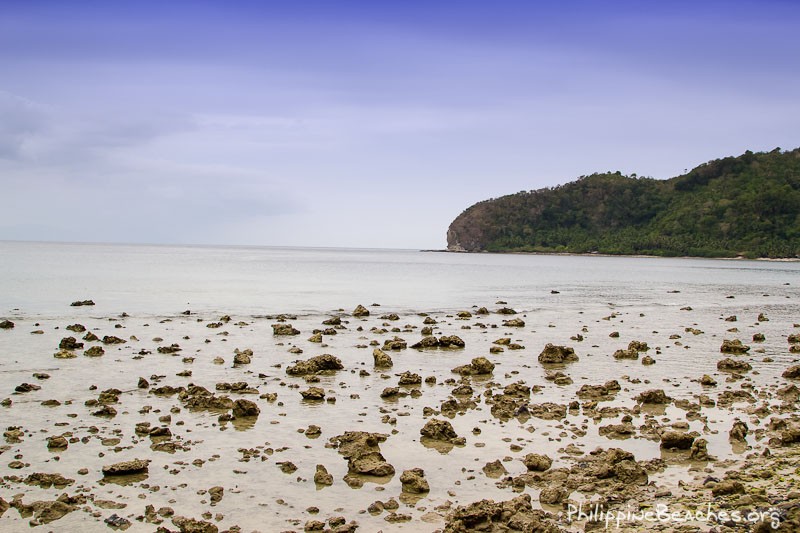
<point>366,124</point>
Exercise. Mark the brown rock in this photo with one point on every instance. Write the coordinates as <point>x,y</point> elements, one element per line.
<point>135,466</point>
<point>557,354</point>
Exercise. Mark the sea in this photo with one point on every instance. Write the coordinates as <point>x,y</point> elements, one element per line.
<point>683,309</point>
<point>42,279</point>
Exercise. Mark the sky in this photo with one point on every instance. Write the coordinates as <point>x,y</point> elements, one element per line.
<point>360,123</point>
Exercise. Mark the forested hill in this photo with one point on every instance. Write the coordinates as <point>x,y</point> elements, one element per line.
<point>737,206</point>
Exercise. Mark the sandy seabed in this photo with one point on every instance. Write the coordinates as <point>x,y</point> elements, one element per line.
<point>632,419</point>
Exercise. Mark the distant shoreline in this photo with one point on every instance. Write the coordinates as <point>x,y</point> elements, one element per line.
<point>739,258</point>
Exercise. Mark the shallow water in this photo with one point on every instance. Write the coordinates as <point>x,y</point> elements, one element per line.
<point>634,296</point>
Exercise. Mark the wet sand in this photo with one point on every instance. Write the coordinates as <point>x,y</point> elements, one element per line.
<point>234,447</point>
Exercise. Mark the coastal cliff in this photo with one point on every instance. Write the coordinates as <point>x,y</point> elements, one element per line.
<point>745,206</point>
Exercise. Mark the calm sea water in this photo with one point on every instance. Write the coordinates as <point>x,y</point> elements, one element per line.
<point>41,279</point>
<point>647,299</point>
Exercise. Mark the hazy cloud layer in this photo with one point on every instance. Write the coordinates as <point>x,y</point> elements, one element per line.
<point>362,124</point>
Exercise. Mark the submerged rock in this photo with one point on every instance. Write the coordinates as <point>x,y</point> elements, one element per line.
<point>537,462</point>
<point>653,396</point>
<point>734,347</point>
<point>313,393</point>
<point>360,311</point>
<point>677,440</point>
<point>123,468</point>
<point>553,354</point>
<point>284,329</point>
<point>478,366</point>
<point>513,515</point>
<point>413,481</point>
<point>245,408</point>
<point>362,451</point>
<point>315,364</point>
<point>732,365</point>
<point>440,430</point>
<point>322,477</point>
<point>381,359</point>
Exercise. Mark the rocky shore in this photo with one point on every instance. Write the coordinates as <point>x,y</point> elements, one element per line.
<point>490,418</point>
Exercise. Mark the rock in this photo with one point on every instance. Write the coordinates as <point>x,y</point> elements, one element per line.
<point>759,337</point>
<point>557,354</point>
<point>191,525</point>
<point>287,467</point>
<point>46,481</point>
<point>242,357</point>
<point>284,329</point>
<point>547,411</point>
<point>94,351</point>
<point>708,381</point>
<point>124,468</point>
<point>699,450</point>
<point>676,440</point>
<point>537,462</point>
<point>69,343</point>
<point>325,362</point>
<point>360,311</point>
<point>445,341</point>
<point>362,451</point>
<point>6,324</point>
<point>647,360</point>
<point>793,372</point>
<point>514,323</point>
<point>313,393</point>
<point>426,342</point>
<point>653,396</point>
<point>409,378</point>
<point>395,344</point>
<point>638,346</point>
<point>381,359</point>
<point>553,495</point>
<point>322,477</point>
<point>26,387</point>
<point>478,366</point>
<point>494,469</point>
<point>116,521</point>
<point>45,512</point>
<point>599,392</point>
<point>738,431</point>
<point>626,354</point>
<point>245,408</point>
<point>486,515</point>
<point>57,443</point>
<point>734,346</point>
<point>82,303</point>
<point>64,354</point>
<point>413,481</point>
<point>732,365</point>
<point>111,339</point>
<point>441,430</point>
<point>727,487</point>
<point>391,392</point>
<point>142,383</point>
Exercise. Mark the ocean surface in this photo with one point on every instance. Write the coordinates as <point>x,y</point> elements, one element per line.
<point>42,279</point>
<point>683,309</point>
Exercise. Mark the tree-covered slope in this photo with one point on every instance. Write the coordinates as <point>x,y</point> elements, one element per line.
<point>747,205</point>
